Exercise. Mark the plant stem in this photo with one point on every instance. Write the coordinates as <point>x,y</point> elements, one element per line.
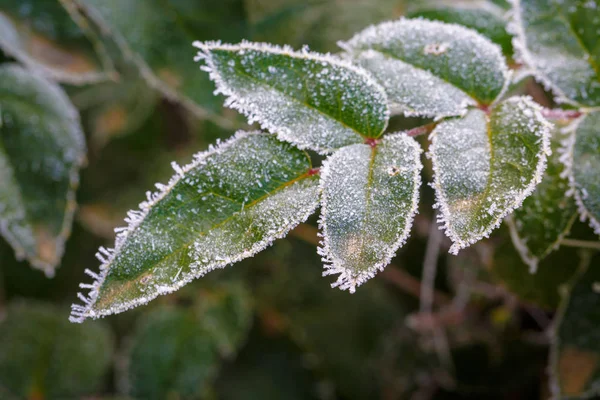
<point>421,130</point>
<point>586,244</point>
<point>559,114</point>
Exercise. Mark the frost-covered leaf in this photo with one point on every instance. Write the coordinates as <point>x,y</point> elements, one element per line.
<point>486,165</point>
<point>575,349</point>
<point>41,149</point>
<point>559,41</point>
<point>43,36</point>
<point>228,204</point>
<point>314,101</point>
<point>546,216</point>
<point>43,356</point>
<point>582,158</point>
<point>159,40</point>
<point>430,68</point>
<point>369,198</point>
<point>483,16</point>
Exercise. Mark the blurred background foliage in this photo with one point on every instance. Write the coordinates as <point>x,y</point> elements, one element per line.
<point>269,327</point>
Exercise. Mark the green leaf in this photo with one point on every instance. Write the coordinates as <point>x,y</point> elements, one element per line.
<point>575,351</point>
<point>159,41</point>
<point>172,356</point>
<point>482,16</point>
<point>228,204</point>
<point>370,195</point>
<point>314,101</point>
<point>43,356</point>
<point>559,41</point>
<point>545,217</point>
<point>486,165</point>
<point>41,150</point>
<point>458,66</point>
<point>582,159</point>
<point>43,36</point>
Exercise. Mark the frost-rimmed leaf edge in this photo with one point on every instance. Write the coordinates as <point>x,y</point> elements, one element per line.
<point>71,205</point>
<point>567,154</point>
<point>442,204</point>
<point>506,72</point>
<point>522,55</point>
<point>346,280</point>
<point>304,54</point>
<point>135,217</point>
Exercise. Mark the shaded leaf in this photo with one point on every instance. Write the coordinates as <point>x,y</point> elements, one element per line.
<point>43,356</point>
<point>41,149</point>
<point>43,36</point>
<point>559,41</point>
<point>482,16</point>
<point>228,204</point>
<point>458,66</point>
<point>159,41</point>
<point>370,195</point>
<point>582,160</point>
<point>314,101</point>
<point>485,166</point>
<point>546,216</point>
<point>575,351</point>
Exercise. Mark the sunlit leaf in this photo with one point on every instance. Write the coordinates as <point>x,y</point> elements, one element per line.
<point>582,159</point>
<point>482,16</point>
<point>228,204</point>
<point>43,36</point>
<point>559,41</point>
<point>43,356</point>
<point>370,195</point>
<point>314,101</point>
<point>546,216</point>
<point>575,349</point>
<point>457,66</point>
<point>486,165</point>
<point>41,149</point>
<point>159,41</point>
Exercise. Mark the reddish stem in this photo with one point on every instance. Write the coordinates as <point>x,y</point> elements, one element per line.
<point>372,142</point>
<point>557,113</point>
<point>313,171</point>
<point>421,130</point>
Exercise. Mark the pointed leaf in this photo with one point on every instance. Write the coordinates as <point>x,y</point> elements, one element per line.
<point>43,36</point>
<point>582,158</point>
<point>43,356</point>
<point>559,41</point>
<point>159,41</point>
<point>575,348</point>
<point>482,16</point>
<point>485,166</point>
<point>370,195</point>
<point>458,66</point>
<point>314,101</point>
<point>41,149</point>
<point>227,205</point>
<point>537,227</point>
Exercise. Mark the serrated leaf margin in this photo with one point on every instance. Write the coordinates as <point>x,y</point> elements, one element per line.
<point>135,217</point>
<point>347,280</point>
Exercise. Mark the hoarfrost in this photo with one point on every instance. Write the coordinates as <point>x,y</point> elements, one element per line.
<point>369,198</point>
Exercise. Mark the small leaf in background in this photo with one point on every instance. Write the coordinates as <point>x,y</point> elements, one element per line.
<point>486,165</point>
<point>458,66</point>
<point>559,41</point>
<point>582,159</point>
<point>546,216</point>
<point>314,101</point>
<point>41,150</point>
<point>228,204</point>
<point>176,352</point>
<point>575,348</point>
<point>42,35</point>
<point>370,196</point>
<point>43,356</point>
<point>160,41</point>
<point>484,16</point>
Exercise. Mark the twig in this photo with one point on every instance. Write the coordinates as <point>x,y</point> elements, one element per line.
<point>586,244</point>
<point>421,130</point>
<point>559,114</point>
